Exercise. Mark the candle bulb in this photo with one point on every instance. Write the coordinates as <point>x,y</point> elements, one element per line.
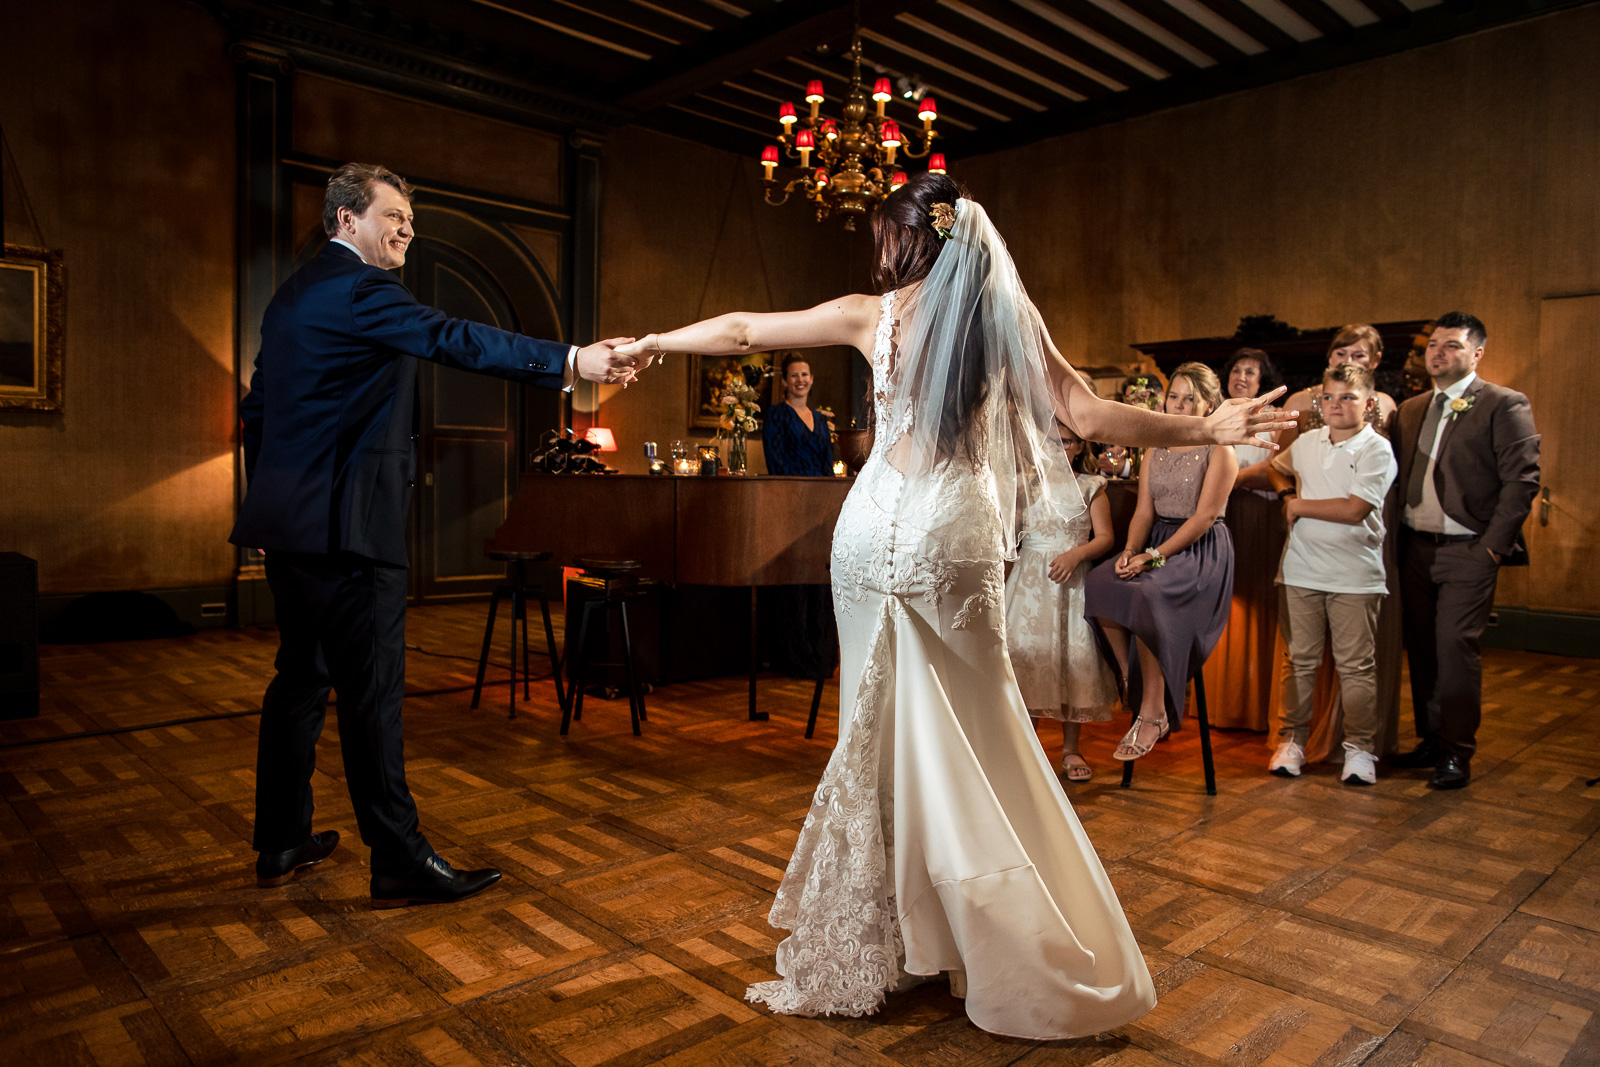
<point>928,111</point>
<point>889,138</point>
<point>787,116</point>
<point>882,92</point>
<point>769,159</point>
<point>805,141</point>
<point>814,97</point>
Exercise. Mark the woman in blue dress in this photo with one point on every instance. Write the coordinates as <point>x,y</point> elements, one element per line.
<point>797,440</point>
<point>795,437</point>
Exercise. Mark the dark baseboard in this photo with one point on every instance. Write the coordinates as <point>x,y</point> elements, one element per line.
<point>201,606</point>
<point>1560,633</point>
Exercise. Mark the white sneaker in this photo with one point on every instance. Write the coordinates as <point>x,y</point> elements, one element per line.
<point>1360,768</point>
<point>1288,761</point>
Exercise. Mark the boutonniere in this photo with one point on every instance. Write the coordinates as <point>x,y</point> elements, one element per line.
<point>1461,405</point>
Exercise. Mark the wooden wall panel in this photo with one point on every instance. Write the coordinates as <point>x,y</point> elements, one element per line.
<point>338,120</point>
<point>121,118</point>
<point>1459,176</point>
<point>664,265</point>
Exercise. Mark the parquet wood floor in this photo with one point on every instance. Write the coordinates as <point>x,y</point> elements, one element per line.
<point>1286,922</point>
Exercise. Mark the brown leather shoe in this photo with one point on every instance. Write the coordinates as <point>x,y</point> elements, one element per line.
<point>278,868</point>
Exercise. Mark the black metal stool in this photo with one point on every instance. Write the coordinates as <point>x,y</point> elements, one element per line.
<point>621,584</point>
<point>518,589</point>
<point>1205,739</point>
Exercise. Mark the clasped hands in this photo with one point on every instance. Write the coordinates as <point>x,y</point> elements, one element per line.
<point>617,360</point>
<point>1131,564</point>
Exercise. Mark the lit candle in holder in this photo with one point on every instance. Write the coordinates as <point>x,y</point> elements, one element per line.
<point>814,97</point>
<point>829,130</point>
<point>889,137</point>
<point>769,159</point>
<point>936,163</point>
<point>805,141</point>
<point>787,116</point>
<point>927,112</point>
<point>882,92</point>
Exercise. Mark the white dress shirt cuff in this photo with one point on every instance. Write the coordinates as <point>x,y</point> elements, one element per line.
<point>569,376</point>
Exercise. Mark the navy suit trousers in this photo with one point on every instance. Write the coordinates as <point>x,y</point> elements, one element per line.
<point>342,624</point>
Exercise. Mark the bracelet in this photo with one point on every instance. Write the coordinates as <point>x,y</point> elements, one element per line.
<point>1285,494</point>
<point>659,350</point>
<point>1156,558</point>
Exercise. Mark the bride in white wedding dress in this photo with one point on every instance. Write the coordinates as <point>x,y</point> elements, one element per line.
<point>939,839</point>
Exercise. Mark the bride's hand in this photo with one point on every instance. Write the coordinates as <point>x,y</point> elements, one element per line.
<point>1238,421</point>
<point>646,349</point>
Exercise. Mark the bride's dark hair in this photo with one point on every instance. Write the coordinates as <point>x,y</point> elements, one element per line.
<point>902,234</point>
<point>907,246</point>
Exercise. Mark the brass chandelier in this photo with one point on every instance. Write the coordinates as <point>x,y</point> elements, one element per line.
<point>856,153</point>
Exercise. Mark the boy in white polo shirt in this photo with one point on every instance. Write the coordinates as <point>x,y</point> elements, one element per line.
<point>1333,481</point>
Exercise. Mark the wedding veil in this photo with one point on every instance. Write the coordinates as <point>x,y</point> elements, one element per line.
<point>971,394</point>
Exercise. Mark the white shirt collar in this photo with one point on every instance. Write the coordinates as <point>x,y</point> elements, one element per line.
<point>1354,439</point>
<point>1454,391</point>
<point>351,247</point>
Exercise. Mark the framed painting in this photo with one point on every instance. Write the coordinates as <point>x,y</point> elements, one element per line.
<point>711,376</point>
<point>32,329</point>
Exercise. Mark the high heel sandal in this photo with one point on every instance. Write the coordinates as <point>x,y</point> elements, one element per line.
<point>1130,740</point>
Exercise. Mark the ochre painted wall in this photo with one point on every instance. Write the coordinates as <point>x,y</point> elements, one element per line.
<point>121,117</point>
<point>1459,176</point>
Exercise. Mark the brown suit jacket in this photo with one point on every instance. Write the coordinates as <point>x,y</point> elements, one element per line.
<point>1487,475</point>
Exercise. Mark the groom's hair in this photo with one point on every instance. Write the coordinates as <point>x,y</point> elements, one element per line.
<point>351,186</point>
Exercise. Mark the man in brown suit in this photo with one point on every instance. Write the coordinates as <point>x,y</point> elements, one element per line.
<point>1469,471</point>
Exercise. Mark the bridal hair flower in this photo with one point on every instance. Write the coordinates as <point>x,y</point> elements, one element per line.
<point>1462,404</point>
<point>943,217</point>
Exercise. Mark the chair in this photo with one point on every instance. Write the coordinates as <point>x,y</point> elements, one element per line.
<point>619,584</point>
<point>1205,740</point>
<point>517,590</point>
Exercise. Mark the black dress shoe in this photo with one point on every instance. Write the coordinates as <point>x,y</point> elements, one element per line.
<point>1427,754</point>
<point>277,868</point>
<point>1453,772</point>
<point>435,882</point>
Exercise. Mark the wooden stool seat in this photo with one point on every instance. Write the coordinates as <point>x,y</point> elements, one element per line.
<point>520,557</point>
<point>518,589</point>
<point>619,585</point>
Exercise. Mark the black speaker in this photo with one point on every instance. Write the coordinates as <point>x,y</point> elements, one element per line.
<point>19,636</point>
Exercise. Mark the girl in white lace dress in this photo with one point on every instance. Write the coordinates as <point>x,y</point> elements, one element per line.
<point>939,840</point>
<point>1053,649</point>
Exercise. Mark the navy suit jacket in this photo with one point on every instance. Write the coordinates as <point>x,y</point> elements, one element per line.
<point>331,417</point>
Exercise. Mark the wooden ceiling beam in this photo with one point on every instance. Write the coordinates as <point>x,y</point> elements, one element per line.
<point>1248,21</point>
<point>1185,29</point>
<point>1029,25</point>
<point>755,41</point>
<point>1106,25</point>
<point>1328,22</point>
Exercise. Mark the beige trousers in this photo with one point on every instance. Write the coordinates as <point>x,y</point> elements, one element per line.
<point>1306,616</point>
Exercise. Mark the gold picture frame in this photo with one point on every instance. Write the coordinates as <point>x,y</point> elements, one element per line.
<point>32,329</point>
<point>709,375</point>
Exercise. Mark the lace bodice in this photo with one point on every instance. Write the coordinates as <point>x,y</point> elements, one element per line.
<point>1044,530</point>
<point>1175,479</point>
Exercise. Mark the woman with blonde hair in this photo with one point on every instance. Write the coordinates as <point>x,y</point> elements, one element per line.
<point>1161,605</point>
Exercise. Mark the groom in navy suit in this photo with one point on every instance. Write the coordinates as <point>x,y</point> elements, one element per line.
<point>329,441</point>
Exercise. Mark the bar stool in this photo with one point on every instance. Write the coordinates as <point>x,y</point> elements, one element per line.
<point>1205,739</point>
<point>620,583</point>
<point>517,590</point>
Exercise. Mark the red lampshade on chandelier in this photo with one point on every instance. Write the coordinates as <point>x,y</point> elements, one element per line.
<point>856,154</point>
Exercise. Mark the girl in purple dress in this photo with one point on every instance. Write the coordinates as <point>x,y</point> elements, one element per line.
<point>1167,594</point>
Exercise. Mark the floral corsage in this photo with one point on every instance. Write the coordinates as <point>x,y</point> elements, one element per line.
<point>1461,405</point>
<point>943,218</point>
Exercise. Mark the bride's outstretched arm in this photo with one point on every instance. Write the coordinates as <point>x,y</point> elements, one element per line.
<point>1235,422</point>
<point>849,320</point>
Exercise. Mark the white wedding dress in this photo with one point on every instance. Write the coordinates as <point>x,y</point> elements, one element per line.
<point>939,838</point>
